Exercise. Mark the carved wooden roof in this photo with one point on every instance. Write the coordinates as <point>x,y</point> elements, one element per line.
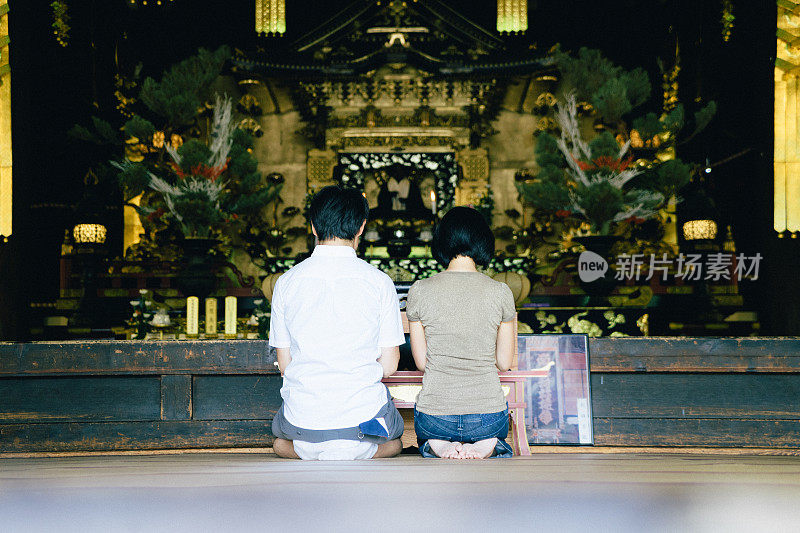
<point>426,35</point>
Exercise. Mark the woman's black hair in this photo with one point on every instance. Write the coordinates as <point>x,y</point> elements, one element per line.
<point>463,231</point>
<point>337,212</point>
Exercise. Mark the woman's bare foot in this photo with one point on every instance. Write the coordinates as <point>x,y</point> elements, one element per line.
<point>446,449</point>
<point>479,450</point>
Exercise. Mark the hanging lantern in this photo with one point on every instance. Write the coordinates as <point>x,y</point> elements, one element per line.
<point>271,16</point>
<point>694,230</point>
<point>512,16</point>
<point>699,216</point>
<point>786,214</point>
<point>89,233</point>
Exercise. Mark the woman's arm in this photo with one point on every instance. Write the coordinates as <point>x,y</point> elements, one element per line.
<point>504,353</point>
<point>419,348</point>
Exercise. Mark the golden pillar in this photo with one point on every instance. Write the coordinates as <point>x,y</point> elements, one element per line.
<point>5,126</point>
<point>786,160</point>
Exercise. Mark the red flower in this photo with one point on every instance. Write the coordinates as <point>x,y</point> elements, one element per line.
<point>178,170</point>
<point>607,162</point>
<point>158,213</point>
<point>634,220</point>
<point>563,213</point>
<point>207,172</point>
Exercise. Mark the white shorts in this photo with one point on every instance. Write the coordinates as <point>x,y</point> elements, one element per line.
<point>335,450</point>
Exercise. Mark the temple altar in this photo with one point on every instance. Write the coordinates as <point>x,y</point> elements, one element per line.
<point>420,109</point>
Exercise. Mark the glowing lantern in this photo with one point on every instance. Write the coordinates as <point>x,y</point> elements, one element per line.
<point>699,215</point>
<point>512,15</point>
<point>694,230</point>
<point>89,233</point>
<point>271,16</point>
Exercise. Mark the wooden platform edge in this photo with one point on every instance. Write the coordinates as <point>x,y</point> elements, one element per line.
<point>535,450</point>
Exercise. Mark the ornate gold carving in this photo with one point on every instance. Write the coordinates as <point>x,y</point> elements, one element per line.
<point>475,164</point>
<point>475,176</point>
<point>404,141</point>
<point>547,124</point>
<point>470,194</point>
<point>319,168</point>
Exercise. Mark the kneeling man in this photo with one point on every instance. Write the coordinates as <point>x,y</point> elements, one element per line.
<point>336,326</point>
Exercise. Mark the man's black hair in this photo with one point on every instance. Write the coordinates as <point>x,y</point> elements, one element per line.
<point>463,231</point>
<point>337,212</point>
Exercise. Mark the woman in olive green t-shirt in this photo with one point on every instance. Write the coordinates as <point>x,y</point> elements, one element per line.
<point>462,332</point>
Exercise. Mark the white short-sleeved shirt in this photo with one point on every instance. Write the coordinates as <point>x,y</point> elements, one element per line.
<point>334,312</point>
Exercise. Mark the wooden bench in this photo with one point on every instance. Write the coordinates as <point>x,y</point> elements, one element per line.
<point>513,383</point>
<point>404,386</point>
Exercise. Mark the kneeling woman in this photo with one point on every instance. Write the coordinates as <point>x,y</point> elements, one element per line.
<point>462,333</point>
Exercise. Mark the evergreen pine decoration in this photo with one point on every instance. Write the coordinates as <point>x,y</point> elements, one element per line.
<point>202,180</point>
<point>548,190</point>
<point>611,100</point>
<point>587,72</point>
<point>612,91</point>
<point>212,185</point>
<point>596,184</point>
<point>604,181</point>
<point>185,87</point>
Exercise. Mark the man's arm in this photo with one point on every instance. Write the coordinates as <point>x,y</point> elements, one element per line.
<point>419,346</point>
<point>390,329</point>
<point>284,358</point>
<point>389,359</point>
<point>279,337</point>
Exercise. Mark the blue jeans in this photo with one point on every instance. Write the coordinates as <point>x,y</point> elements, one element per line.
<point>462,428</point>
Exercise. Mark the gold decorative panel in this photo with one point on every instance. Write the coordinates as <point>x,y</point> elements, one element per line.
<point>320,168</point>
<point>475,164</point>
<point>475,176</point>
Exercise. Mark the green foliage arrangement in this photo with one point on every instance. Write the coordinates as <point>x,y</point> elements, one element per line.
<point>196,173</point>
<point>211,185</point>
<point>622,173</point>
<point>612,91</point>
<point>595,184</point>
<point>185,87</point>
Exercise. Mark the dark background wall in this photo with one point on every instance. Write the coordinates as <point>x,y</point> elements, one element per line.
<point>54,88</point>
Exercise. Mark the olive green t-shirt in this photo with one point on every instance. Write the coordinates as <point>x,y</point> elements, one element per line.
<point>460,312</point>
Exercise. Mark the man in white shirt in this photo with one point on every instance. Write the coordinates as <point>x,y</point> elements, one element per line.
<point>336,327</point>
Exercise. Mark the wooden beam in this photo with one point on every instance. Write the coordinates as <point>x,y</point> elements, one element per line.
<point>176,397</point>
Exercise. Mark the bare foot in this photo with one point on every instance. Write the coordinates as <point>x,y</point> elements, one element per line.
<point>479,450</point>
<point>391,448</point>
<point>284,448</point>
<point>446,449</point>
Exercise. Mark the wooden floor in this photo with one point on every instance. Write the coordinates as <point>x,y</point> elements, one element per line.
<point>259,492</point>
